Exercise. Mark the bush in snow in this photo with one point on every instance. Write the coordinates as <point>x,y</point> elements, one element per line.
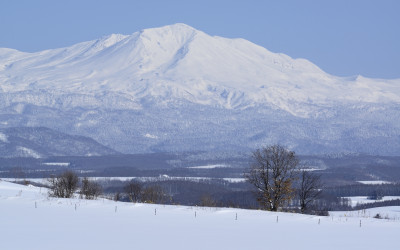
<point>63,185</point>
<point>90,190</point>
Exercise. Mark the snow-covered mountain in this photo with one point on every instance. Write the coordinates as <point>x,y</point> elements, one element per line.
<point>175,88</point>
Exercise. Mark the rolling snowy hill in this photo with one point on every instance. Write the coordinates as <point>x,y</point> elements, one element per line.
<point>175,88</point>
<point>31,220</point>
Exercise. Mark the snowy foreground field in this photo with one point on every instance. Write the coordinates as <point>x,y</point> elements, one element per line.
<point>31,220</point>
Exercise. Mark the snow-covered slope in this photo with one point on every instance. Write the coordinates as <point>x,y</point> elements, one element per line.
<point>170,69</point>
<point>31,220</point>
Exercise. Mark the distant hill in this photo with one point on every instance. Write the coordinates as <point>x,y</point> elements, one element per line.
<point>39,142</point>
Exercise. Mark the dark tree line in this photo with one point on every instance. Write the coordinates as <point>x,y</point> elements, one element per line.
<point>210,192</point>
<point>378,204</point>
<point>365,190</point>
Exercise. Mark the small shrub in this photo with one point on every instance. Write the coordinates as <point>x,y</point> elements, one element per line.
<point>117,196</point>
<point>378,216</point>
<point>318,212</point>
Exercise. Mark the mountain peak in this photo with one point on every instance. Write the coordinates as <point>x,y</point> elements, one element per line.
<point>176,32</point>
<point>177,27</point>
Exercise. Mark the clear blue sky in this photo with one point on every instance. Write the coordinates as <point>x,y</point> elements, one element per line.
<point>343,37</point>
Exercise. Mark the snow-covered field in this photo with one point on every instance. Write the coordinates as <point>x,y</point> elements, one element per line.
<point>211,166</point>
<point>31,220</point>
<point>60,164</point>
<point>375,182</point>
<point>355,200</point>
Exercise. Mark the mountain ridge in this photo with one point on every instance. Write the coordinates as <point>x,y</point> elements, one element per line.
<point>141,57</point>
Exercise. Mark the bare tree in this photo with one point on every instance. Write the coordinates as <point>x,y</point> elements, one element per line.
<point>207,201</point>
<point>134,191</point>
<point>63,185</point>
<point>90,189</point>
<point>309,188</point>
<point>153,194</point>
<point>18,174</point>
<point>272,173</point>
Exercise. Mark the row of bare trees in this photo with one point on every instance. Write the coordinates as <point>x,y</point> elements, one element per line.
<point>275,174</point>
<point>278,178</point>
<point>66,184</point>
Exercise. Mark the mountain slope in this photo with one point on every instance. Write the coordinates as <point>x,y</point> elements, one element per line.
<point>133,92</point>
<point>41,142</point>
